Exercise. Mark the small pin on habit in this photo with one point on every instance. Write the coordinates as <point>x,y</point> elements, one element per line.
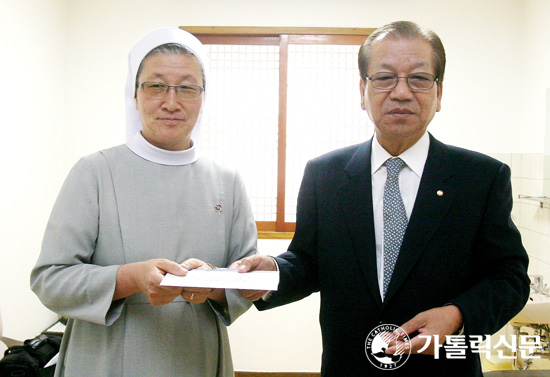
<point>218,208</point>
<point>439,192</point>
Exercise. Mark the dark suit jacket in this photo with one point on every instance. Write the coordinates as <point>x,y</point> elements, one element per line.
<point>460,248</point>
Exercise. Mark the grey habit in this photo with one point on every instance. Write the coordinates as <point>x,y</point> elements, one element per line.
<point>116,207</point>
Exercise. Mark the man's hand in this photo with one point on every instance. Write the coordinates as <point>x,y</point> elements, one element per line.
<point>254,263</point>
<point>442,321</point>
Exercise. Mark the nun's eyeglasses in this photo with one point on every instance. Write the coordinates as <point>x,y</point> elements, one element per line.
<point>159,90</point>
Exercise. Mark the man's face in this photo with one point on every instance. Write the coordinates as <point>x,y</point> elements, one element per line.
<point>400,115</point>
<point>168,122</point>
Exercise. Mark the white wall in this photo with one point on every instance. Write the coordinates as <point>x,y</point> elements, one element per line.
<point>33,43</point>
<point>69,59</point>
<point>287,338</point>
<point>536,80</point>
<point>483,41</point>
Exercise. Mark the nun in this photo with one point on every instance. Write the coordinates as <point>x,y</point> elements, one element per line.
<point>128,215</point>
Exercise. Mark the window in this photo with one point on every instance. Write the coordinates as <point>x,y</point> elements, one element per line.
<point>276,98</point>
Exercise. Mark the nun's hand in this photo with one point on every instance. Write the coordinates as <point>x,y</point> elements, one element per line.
<point>200,295</point>
<point>146,277</point>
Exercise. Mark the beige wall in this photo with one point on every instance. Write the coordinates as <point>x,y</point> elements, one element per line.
<point>64,65</point>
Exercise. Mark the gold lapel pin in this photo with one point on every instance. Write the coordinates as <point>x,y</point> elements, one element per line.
<point>439,192</point>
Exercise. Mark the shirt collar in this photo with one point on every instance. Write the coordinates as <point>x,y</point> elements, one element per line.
<point>415,157</point>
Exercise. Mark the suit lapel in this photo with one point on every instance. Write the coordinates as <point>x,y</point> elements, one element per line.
<point>356,203</point>
<point>435,196</point>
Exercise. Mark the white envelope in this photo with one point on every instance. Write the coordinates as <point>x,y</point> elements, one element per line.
<point>224,278</point>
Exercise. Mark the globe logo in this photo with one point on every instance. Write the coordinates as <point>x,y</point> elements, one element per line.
<point>379,340</point>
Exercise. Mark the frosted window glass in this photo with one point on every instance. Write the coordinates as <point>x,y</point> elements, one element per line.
<point>324,109</point>
<point>240,121</point>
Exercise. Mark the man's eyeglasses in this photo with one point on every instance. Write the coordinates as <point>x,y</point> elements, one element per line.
<point>159,90</point>
<point>415,81</point>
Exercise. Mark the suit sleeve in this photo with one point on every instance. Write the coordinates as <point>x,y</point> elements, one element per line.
<point>298,266</point>
<point>502,287</point>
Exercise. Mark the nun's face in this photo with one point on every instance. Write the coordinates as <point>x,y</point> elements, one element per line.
<point>168,121</point>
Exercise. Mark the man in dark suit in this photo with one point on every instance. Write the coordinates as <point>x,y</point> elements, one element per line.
<point>458,268</point>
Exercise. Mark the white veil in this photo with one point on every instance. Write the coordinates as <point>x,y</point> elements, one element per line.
<point>134,139</point>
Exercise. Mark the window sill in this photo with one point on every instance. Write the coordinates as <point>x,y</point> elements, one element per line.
<point>268,235</point>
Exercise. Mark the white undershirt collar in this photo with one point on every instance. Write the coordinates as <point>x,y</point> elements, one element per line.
<point>144,149</point>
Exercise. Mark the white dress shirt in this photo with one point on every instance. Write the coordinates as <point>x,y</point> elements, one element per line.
<point>409,181</point>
